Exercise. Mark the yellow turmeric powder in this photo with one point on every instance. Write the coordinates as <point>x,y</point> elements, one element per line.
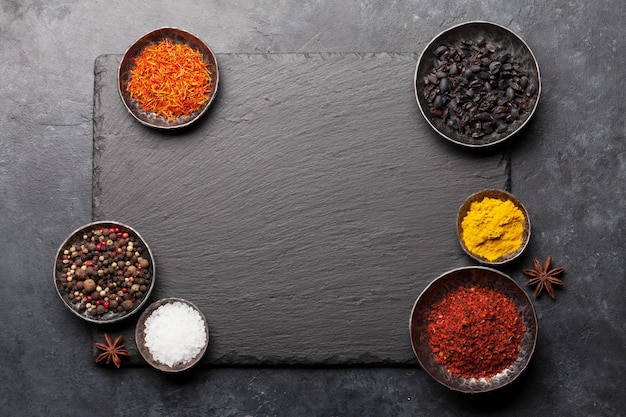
<point>493,228</point>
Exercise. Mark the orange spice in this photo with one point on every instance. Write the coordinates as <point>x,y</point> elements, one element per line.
<point>170,79</point>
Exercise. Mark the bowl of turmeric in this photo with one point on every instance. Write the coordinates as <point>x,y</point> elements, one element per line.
<point>168,78</point>
<point>493,227</point>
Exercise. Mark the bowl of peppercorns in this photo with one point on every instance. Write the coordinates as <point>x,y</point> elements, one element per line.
<point>104,272</point>
<point>477,84</point>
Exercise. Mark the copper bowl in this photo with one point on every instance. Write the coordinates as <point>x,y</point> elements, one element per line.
<point>140,337</point>
<point>126,65</point>
<point>477,30</point>
<point>59,279</point>
<point>450,281</point>
<point>500,195</point>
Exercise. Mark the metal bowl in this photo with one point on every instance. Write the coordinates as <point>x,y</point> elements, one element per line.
<point>140,337</point>
<point>451,280</point>
<point>60,272</point>
<point>126,65</point>
<point>476,31</point>
<point>500,195</point>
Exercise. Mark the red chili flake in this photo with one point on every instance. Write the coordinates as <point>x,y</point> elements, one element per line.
<point>475,332</point>
<point>170,79</point>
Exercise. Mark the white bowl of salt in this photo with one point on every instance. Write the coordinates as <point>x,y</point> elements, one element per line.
<point>172,334</point>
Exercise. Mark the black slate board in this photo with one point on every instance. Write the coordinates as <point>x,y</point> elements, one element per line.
<point>303,214</point>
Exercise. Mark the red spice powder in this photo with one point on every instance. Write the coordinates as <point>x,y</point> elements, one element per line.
<point>475,332</point>
<point>170,79</point>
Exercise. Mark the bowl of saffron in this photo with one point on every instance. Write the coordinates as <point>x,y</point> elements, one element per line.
<point>473,329</point>
<point>493,227</point>
<point>172,334</point>
<point>168,78</point>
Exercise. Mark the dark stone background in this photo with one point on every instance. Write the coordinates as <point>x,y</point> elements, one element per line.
<point>568,168</point>
<point>303,215</point>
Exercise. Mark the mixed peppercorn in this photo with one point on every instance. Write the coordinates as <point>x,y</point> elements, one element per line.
<point>107,269</point>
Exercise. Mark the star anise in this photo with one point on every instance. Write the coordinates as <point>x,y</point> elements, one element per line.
<point>112,351</point>
<point>544,277</point>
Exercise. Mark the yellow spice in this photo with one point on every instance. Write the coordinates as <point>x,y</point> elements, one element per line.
<point>493,228</point>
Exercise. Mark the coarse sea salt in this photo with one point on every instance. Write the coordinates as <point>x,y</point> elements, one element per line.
<point>174,333</point>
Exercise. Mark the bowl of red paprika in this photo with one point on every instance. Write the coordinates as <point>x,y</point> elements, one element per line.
<point>473,329</point>
<point>168,78</point>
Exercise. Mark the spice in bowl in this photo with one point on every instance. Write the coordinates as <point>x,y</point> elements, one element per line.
<point>104,272</point>
<point>493,226</point>
<point>170,79</point>
<point>473,329</point>
<point>477,83</point>
<point>172,334</point>
<point>475,332</point>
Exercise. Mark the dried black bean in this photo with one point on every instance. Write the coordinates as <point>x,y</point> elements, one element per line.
<point>477,88</point>
<point>494,67</point>
<point>523,82</point>
<point>484,116</point>
<point>501,101</point>
<point>483,75</point>
<point>510,94</point>
<point>440,50</point>
<point>444,85</point>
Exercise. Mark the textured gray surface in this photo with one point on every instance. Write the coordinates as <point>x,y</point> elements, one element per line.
<point>569,171</point>
<point>304,214</point>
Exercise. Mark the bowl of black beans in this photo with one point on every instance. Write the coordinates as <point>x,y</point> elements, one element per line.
<point>477,84</point>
